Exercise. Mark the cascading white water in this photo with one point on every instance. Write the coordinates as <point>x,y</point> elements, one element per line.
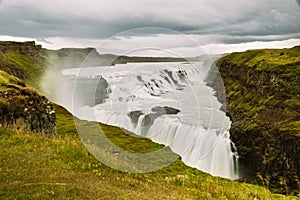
<point>166,102</point>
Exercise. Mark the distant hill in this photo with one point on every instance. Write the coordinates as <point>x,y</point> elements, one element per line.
<point>29,61</point>
<point>89,57</point>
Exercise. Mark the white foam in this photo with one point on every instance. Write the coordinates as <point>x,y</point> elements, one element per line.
<point>199,133</point>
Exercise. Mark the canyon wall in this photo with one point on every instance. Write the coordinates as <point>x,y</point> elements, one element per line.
<point>262,91</point>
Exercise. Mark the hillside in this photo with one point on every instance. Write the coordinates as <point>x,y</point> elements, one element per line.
<point>34,167</point>
<point>23,60</point>
<point>262,90</point>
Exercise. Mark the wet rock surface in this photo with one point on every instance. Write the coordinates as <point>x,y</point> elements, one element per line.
<point>148,119</point>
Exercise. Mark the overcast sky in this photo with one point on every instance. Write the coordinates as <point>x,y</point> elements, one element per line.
<point>182,26</point>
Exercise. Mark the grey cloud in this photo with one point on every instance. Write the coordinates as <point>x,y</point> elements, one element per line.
<point>234,21</point>
<point>242,39</point>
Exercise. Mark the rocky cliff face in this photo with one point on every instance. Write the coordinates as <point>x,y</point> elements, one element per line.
<point>23,109</point>
<point>28,48</point>
<point>262,91</point>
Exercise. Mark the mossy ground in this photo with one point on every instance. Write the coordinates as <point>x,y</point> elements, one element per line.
<point>277,60</point>
<point>36,167</point>
<point>271,81</point>
<point>28,68</point>
<point>7,80</point>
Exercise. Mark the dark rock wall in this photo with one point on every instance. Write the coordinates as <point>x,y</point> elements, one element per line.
<point>26,110</point>
<point>264,108</point>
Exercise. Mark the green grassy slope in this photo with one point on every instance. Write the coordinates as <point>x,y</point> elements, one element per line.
<point>9,81</point>
<point>35,167</point>
<point>271,60</point>
<point>23,61</point>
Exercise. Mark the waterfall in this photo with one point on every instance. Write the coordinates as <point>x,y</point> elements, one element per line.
<point>169,103</point>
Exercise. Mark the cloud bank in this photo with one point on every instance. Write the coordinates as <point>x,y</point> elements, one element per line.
<point>207,21</point>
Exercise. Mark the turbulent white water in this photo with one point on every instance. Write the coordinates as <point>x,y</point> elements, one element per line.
<point>166,102</point>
